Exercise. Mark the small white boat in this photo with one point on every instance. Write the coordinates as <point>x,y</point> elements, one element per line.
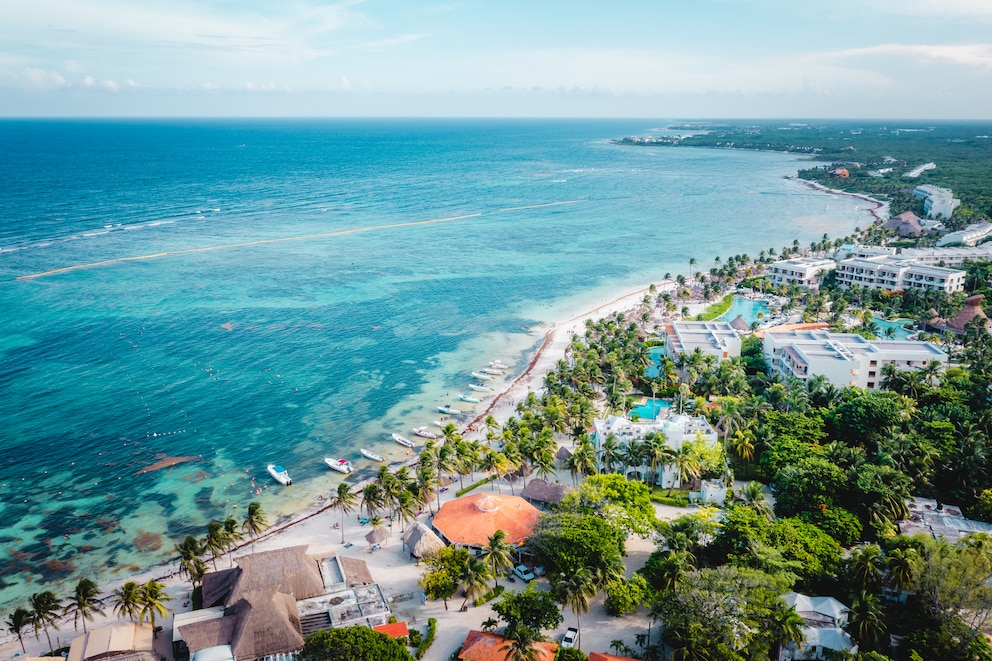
<point>425,432</point>
<point>495,364</point>
<point>482,377</point>
<point>280,474</point>
<point>490,370</point>
<point>402,440</point>
<point>479,388</point>
<point>372,455</point>
<point>340,465</point>
<point>447,410</point>
<point>438,423</point>
<point>467,398</point>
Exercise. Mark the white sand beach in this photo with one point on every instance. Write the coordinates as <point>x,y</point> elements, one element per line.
<point>391,566</point>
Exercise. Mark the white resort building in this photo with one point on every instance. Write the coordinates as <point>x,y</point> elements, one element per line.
<point>677,429</point>
<point>844,359</point>
<point>937,202</point>
<point>897,273</point>
<point>712,338</point>
<point>969,236</point>
<point>823,619</point>
<point>944,256</point>
<point>802,271</point>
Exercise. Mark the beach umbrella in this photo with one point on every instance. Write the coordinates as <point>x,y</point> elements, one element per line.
<point>377,535</point>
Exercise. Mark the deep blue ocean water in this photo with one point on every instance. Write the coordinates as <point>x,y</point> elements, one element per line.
<point>257,326</point>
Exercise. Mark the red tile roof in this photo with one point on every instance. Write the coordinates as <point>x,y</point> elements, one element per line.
<point>601,656</point>
<point>472,520</point>
<point>482,646</point>
<point>393,629</point>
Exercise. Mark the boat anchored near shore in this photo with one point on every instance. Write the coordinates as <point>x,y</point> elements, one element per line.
<point>368,454</point>
<point>478,387</point>
<point>495,364</point>
<point>403,440</point>
<point>482,377</point>
<point>468,398</point>
<point>425,432</point>
<point>491,370</point>
<point>447,410</point>
<point>340,465</point>
<point>280,474</point>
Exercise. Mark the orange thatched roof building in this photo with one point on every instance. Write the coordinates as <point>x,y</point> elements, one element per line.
<point>482,646</point>
<point>393,629</point>
<point>600,656</point>
<point>472,520</point>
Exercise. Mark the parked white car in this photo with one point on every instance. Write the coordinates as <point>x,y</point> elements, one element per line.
<point>570,637</point>
<point>523,573</point>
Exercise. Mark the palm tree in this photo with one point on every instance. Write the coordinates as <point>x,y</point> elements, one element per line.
<point>576,591</point>
<point>190,563</point>
<point>865,564</point>
<point>153,598</point>
<point>345,501</point>
<point>254,522</point>
<point>84,602</point>
<point>45,608</point>
<point>686,464</point>
<point>20,618</point>
<point>520,644</point>
<point>372,498</point>
<point>900,563</point>
<point>233,535</point>
<point>475,580</point>
<point>659,454</point>
<point>497,555</point>
<point>786,626</point>
<point>753,496</point>
<point>865,621</point>
<point>216,541</point>
<point>127,600</point>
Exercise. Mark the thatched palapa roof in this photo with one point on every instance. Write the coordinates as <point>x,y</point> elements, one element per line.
<point>739,324</point>
<point>543,491</point>
<point>290,571</point>
<point>377,535</point>
<point>422,541</point>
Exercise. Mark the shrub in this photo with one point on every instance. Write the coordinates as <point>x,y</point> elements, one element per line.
<point>415,637</point>
<point>428,640</point>
<point>489,596</point>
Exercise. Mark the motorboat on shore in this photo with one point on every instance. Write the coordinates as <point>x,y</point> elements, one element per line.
<point>340,465</point>
<point>425,432</point>
<point>280,474</point>
<point>482,377</point>
<point>402,440</point>
<point>478,387</point>
<point>368,454</point>
<point>438,423</point>
<point>469,398</point>
<point>495,364</point>
<point>447,410</point>
<point>491,370</point>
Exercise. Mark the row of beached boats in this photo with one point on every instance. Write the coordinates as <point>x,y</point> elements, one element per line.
<point>496,368</point>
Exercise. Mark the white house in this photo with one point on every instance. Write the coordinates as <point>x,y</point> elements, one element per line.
<point>844,359</point>
<point>825,618</point>
<point>937,202</point>
<point>678,429</point>
<point>713,338</point>
<point>969,236</point>
<point>897,273</point>
<point>802,271</point>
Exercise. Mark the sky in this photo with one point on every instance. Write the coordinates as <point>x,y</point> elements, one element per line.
<point>911,59</point>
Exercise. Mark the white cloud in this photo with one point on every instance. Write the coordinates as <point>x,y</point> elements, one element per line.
<point>939,9</point>
<point>972,55</point>
<point>42,79</point>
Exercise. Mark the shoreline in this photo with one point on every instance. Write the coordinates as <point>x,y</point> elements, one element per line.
<point>876,212</point>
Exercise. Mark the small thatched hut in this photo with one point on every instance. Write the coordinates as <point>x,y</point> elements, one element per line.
<point>543,492</point>
<point>422,541</point>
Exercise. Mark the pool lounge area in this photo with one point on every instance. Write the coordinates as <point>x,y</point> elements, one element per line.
<point>650,408</point>
<point>752,310</point>
<point>898,326</point>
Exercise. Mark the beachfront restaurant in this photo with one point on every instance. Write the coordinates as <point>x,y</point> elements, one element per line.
<point>471,520</point>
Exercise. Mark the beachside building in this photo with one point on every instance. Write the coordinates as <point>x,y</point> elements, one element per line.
<point>943,256</point>
<point>824,619</point>
<point>126,641</point>
<point>271,601</point>
<point>905,224</point>
<point>897,273</point>
<point>844,359</point>
<point>471,520</point>
<point>712,338</point>
<point>969,236</point>
<point>484,646</point>
<point>937,202</point>
<point>802,271</point>
<point>677,430</point>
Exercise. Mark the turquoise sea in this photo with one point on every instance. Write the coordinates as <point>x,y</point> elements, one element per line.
<point>270,291</point>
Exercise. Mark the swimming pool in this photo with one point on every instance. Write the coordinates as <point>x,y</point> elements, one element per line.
<point>650,409</point>
<point>751,310</point>
<point>901,333</point>
<point>657,355</point>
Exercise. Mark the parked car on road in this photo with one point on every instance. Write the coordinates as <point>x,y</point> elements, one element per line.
<point>570,637</point>
<point>524,573</point>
